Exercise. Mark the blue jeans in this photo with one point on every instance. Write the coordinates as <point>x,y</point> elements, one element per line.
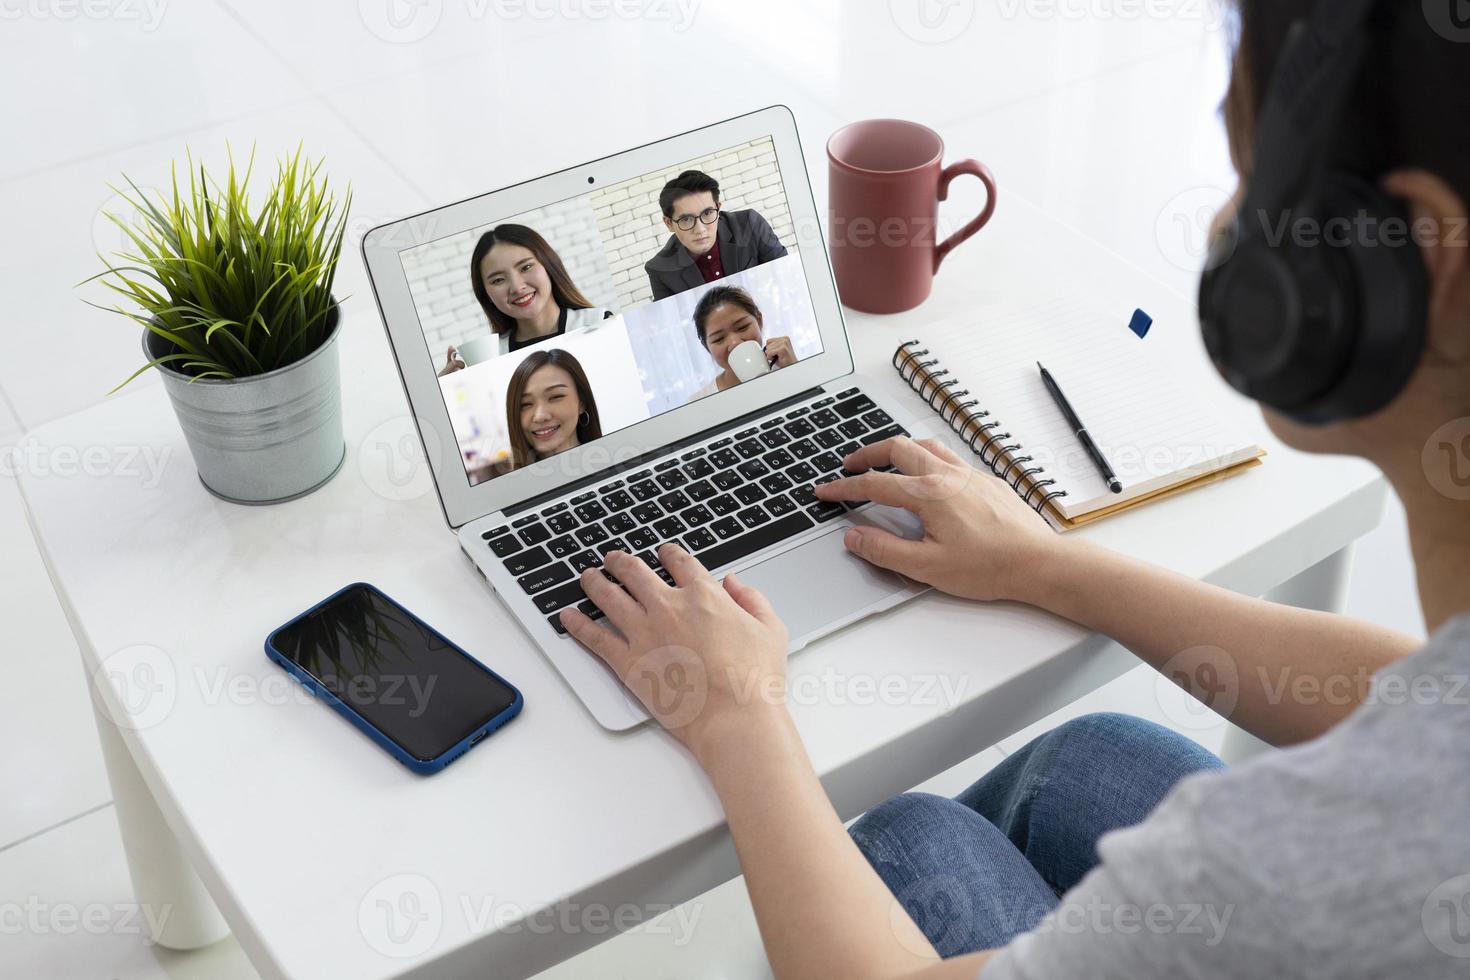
<point>986,866</point>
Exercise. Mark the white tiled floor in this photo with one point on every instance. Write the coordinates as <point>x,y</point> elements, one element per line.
<point>1107,123</point>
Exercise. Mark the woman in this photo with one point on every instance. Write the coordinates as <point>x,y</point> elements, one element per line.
<point>1111,847</point>
<point>549,407</point>
<point>526,294</point>
<point>725,318</point>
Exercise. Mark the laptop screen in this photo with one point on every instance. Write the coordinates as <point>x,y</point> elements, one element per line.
<point>556,327</point>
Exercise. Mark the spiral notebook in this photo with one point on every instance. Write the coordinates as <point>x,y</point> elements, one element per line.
<point>980,375</point>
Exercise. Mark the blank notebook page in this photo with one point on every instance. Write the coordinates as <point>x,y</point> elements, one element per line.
<point>1153,434</point>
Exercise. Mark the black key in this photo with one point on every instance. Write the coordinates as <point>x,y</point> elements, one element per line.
<point>672,478</point>
<point>699,539</point>
<point>640,475</point>
<point>725,458</point>
<point>753,517</point>
<point>563,546</point>
<point>699,468</point>
<point>803,494</point>
<point>723,504</point>
<point>824,402</point>
<point>650,559</point>
<point>666,575</point>
<point>555,620</point>
<point>647,513</point>
<point>496,532</point>
<point>520,564</point>
<point>774,483</point>
<point>798,411</point>
<point>560,597</point>
<point>775,437</point>
<point>852,428</point>
<point>692,453</point>
<point>534,533</point>
<point>584,559</point>
<point>752,469</point>
<point>802,448</point>
<point>749,448</point>
<point>561,523</point>
<point>618,500</point>
<point>613,544</point>
<point>770,423</point>
<point>748,544</point>
<point>556,509</point>
<point>800,428</point>
<point>669,527</point>
<point>881,434</point>
<point>619,523</point>
<point>504,545</point>
<point>749,493</point>
<point>641,538</point>
<point>746,433</point>
<point>700,490</point>
<point>855,406</point>
<point>523,521</point>
<point>697,515</point>
<point>727,527</point>
<point>802,473</point>
<point>828,438</point>
<point>591,534</point>
<point>592,511</point>
<point>726,479</point>
<point>827,462</point>
<point>780,505</point>
<point>847,449</point>
<point>825,418</point>
<point>825,510</point>
<point>844,394</point>
<point>778,460</point>
<point>877,419</point>
<point>582,498</point>
<point>674,502</point>
<point>544,578</point>
<point>720,443</point>
<point>666,465</point>
<point>645,490</point>
<point>609,487</point>
<point>589,609</point>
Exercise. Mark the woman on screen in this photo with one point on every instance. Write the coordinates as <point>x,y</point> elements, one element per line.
<point>526,293</point>
<point>725,318</point>
<point>549,407</point>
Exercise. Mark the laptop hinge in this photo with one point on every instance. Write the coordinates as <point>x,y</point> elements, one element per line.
<point>609,472</point>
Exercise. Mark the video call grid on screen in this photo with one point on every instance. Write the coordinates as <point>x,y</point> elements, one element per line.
<point>625,356</point>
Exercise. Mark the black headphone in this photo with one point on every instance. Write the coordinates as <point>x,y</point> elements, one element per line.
<point>1325,330</point>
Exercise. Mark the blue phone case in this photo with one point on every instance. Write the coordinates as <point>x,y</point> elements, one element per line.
<point>423,767</point>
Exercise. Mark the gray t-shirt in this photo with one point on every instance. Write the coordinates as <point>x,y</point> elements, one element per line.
<point>1345,857</point>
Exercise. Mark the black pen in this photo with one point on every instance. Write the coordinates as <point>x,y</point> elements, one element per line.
<point>1114,484</point>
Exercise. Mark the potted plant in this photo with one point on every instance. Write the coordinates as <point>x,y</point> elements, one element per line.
<point>239,318</point>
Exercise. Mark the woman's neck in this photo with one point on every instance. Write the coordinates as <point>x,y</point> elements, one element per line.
<point>542,324</point>
<point>1439,535</point>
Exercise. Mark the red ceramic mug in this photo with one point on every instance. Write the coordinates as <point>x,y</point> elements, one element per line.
<point>886,182</point>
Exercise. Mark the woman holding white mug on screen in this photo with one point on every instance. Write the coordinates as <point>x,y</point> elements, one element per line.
<point>727,318</point>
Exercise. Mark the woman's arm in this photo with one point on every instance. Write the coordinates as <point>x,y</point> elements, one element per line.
<point>1282,673</point>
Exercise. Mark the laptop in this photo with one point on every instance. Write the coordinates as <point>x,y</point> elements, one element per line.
<point>639,378</point>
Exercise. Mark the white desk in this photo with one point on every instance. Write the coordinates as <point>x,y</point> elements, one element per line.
<point>298,826</point>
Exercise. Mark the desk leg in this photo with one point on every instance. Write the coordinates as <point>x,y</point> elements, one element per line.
<point>1322,587</point>
<point>163,879</point>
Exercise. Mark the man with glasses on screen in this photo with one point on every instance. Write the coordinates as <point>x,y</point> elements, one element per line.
<point>707,243</point>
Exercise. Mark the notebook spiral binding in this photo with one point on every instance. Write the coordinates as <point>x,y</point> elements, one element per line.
<point>976,427</point>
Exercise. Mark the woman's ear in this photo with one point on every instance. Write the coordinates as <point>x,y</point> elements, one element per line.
<point>1439,224</point>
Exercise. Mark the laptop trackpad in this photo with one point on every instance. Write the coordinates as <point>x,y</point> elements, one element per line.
<point>820,586</point>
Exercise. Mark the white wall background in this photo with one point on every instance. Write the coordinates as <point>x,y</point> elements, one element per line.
<point>633,225</point>
<point>674,364</point>
<point>439,272</point>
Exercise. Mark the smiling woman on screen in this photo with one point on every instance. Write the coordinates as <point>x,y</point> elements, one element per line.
<point>549,407</point>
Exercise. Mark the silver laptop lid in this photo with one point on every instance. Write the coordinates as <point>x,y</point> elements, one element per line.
<point>586,332</point>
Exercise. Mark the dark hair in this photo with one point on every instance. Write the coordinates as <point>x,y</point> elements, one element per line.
<point>563,290</point>
<point>521,452</point>
<point>689,182</point>
<point>718,297</point>
<point>1411,102</point>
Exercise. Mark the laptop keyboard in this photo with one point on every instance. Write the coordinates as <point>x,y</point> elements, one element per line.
<point>722,502</point>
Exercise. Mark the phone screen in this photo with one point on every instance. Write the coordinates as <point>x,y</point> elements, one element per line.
<point>420,691</point>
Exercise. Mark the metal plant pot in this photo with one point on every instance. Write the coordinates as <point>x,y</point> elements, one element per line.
<point>263,439</point>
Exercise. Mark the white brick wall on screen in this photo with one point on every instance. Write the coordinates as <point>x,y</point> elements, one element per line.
<point>633,227</point>
<point>439,273</point>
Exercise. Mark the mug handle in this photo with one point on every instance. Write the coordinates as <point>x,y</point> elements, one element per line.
<point>974,168</point>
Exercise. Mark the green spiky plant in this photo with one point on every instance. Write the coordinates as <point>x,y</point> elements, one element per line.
<point>235,293</point>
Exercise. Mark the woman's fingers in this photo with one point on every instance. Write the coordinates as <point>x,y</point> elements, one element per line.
<point>909,456</point>
<point>599,639</point>
<point>607,596</point>
<point>886,550</point>
<point>884,488</point>
<point>684,567</point>
<point>780,348</point>
<point>640,581</point>
<point>753,601</point>
<point>941,450</point>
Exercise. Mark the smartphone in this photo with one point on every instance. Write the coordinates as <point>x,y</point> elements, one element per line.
<point>396,678</point>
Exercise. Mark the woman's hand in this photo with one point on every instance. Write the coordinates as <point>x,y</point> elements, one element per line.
<point>707,658</point>
<point>452,362</point>
<point>980,540</point>
<point>779,349</point>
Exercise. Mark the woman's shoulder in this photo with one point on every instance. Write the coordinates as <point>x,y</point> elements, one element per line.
<point>588,318</point>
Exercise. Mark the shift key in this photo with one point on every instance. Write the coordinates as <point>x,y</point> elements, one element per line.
<point>545,578</point>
